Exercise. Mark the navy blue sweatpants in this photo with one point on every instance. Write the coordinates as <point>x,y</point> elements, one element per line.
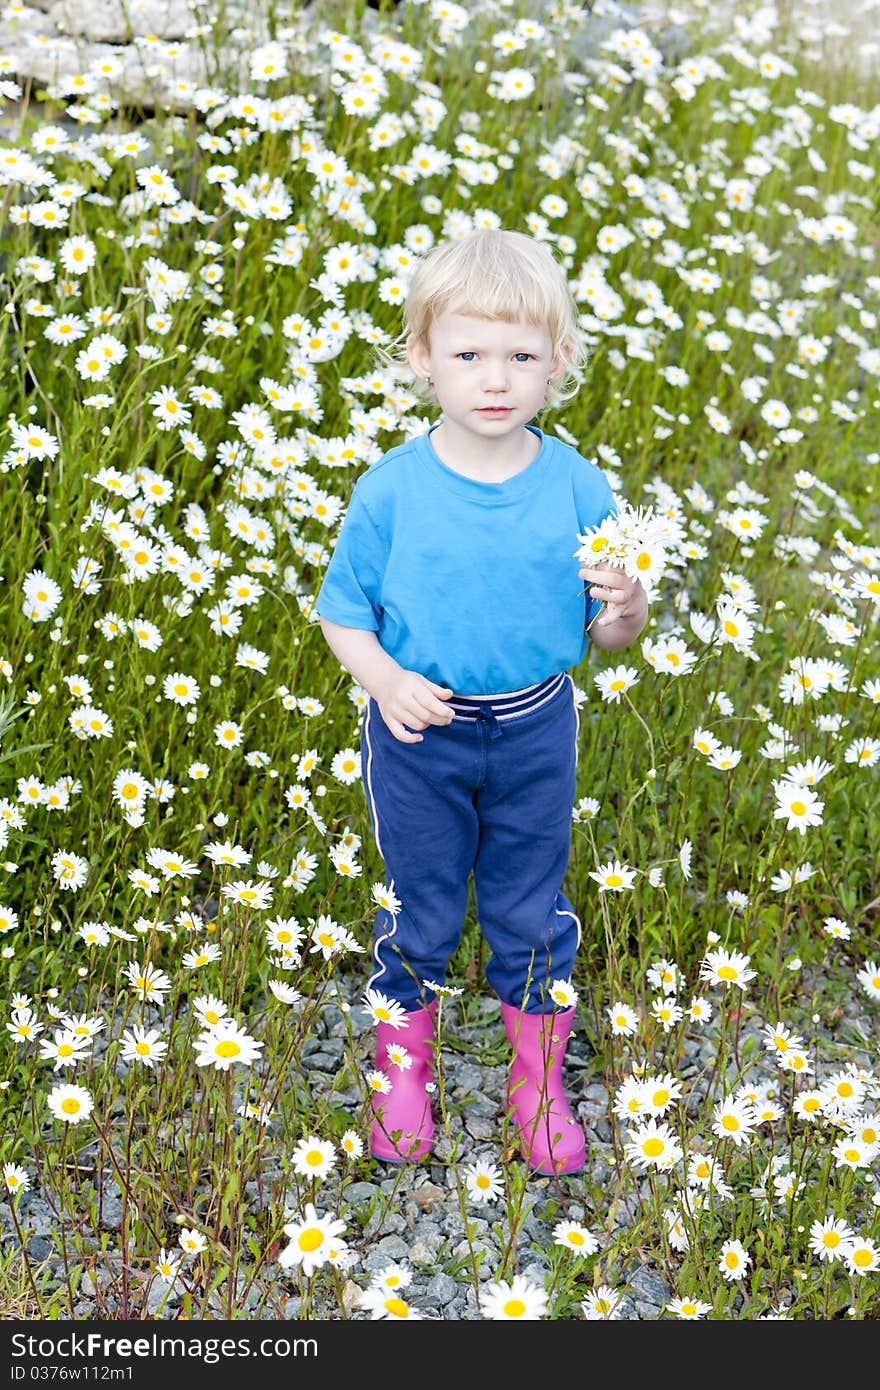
<point>490,794</point>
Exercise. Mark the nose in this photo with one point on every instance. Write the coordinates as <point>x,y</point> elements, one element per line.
<point>495,376</point>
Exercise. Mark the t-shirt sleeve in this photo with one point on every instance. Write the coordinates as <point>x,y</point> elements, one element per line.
<point>350,591</point>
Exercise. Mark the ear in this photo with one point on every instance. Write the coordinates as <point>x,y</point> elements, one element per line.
<point>560,364</point>
<point>418,356</point>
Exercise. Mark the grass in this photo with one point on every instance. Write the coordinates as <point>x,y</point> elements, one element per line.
<point>190,391</point>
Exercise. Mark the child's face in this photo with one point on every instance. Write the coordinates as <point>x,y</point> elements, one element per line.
<point>490,376</point>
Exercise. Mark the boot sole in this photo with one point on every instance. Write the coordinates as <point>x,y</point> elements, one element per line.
<point>398,1160</point>
<point>557,1172</point>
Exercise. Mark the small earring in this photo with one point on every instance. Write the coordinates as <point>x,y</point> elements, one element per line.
<point>428,380</point>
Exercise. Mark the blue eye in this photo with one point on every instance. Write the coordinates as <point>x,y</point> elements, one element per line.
<point>523,356</point>
<point>467,355</point>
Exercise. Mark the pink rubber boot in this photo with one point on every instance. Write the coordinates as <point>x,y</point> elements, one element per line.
<point>403,1126</point>
<point>551,1138</point>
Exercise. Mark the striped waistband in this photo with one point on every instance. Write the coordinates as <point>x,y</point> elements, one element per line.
<point>511,704</point>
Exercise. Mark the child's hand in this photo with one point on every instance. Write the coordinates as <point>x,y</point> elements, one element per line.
<point>411,700</point>
<point>625,597</point>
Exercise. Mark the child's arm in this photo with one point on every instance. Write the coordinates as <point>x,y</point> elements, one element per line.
<point>405,698</point>
<point>626,610</point>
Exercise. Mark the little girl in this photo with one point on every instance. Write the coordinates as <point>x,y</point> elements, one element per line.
<point>452,597</point>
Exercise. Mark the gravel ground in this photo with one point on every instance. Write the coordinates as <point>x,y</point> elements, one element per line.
<point>412,1214</point>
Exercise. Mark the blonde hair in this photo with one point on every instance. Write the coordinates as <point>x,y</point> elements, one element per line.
<point>495,274</point>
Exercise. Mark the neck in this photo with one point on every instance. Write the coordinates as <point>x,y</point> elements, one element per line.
<point>492,460</point>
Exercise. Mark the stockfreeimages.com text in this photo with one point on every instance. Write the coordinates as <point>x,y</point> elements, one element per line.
<point>210,1350</point>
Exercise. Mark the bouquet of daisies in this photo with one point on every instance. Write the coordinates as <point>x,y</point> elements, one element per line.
<point>635,539</point>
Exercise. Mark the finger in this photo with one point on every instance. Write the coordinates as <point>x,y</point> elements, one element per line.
<point>438,713</point>
<point>441,691</point>
<point>403,734</point>
<point>615,610</point>
<point>432,711</point>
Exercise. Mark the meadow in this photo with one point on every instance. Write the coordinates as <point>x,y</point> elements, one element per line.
<point>194,304</point>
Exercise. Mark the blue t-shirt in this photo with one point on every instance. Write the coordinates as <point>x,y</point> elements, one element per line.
<point>472,584</point>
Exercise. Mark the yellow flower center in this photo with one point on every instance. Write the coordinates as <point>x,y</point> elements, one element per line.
<point>311,1239</point>
<point>228,1048</point>
<point>514,1307</point>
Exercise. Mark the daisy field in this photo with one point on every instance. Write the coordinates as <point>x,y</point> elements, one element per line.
<point>201,299</point>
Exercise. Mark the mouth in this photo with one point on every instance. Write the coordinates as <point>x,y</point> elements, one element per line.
<point>495,410</point>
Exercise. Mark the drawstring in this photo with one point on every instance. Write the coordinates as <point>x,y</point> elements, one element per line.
<point>487,716</point>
